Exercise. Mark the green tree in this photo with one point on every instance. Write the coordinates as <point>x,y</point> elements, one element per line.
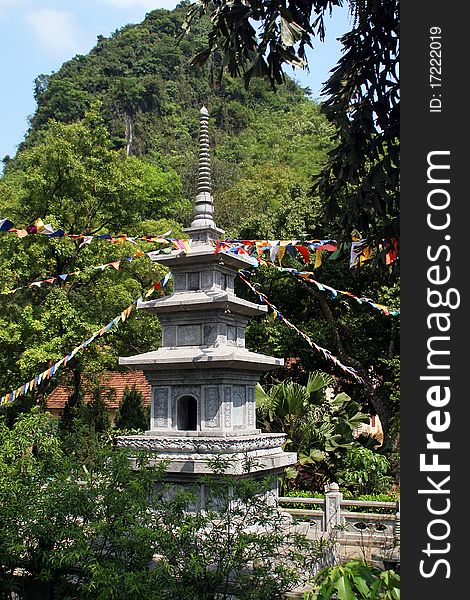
<point>131,413</point>
<point>74,175</point>
<point>266,148</point>
<point>79,529</point>
<point>357,335</point>
<point>74,179</point>
<point>97,412</point>
<point>149,92</point>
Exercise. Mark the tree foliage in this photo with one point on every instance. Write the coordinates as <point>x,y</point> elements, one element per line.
<point>73,179</point>
<point>360,183</point>
<point>131,413</point>
<point>150,95</point>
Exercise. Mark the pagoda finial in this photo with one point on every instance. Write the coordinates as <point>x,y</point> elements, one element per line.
<point>203,211</point>
<point>204,180</point>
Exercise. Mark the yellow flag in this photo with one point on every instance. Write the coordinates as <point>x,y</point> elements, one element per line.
<point>317,259</point>
<point>39,224</point>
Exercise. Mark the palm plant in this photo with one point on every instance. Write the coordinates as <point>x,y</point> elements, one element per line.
<point>284,407</point>
<point>317,427</point>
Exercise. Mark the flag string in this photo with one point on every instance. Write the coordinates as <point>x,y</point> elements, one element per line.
<point>51,371</point>
<point>113,264</point>
<point>323,351</point>
<point>322,287</point>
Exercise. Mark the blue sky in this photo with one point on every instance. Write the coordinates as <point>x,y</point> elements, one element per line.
<point>37,36</point>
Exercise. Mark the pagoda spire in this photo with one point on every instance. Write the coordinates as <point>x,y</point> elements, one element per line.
<point>203,225</point>
<point>204,180</point>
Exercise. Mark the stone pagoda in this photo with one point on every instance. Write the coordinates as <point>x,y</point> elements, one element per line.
<point>203,378</point>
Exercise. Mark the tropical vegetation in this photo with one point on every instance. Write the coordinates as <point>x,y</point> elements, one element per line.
<point>112,148</point>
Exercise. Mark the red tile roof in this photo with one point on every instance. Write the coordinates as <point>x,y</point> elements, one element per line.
<point>110,380</point>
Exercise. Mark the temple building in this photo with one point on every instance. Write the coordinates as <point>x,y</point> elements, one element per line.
<point>203,378</point>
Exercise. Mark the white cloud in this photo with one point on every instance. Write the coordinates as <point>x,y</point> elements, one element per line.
<point>55,30</point>
<point>5,5</point>
<point>147,4</point>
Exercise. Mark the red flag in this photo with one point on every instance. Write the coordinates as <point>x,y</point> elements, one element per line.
<point>304,252</point>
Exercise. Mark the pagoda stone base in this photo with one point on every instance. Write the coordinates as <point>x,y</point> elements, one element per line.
<point>189,459</point>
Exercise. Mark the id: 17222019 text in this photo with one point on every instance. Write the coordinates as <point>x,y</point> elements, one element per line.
<point>435,69</point>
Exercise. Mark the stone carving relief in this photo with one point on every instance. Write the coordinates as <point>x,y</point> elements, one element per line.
<point>238,403</point>
<point>250,407</point>
<point>227,407</point>
<point>205,445</point>
<point>169,335</point>
<point>160,407</point>
<point>193,281</point>
<point>189,335</point>
<point>185,390</point>
<point>206,280</point>
<point>251,414</point>
<point>211,406</point>
<point>179,282</point>
<point>210,333</point>
<point>231,335</point>
<point>230,279</point>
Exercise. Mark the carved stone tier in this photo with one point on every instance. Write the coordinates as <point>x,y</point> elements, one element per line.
<point>202,253</point>
<point>202,358</point>
<point>192,455</point>
<point>204,445</point>
<point>204,234</point>
<point>218,401</point>
<point>203,300</point>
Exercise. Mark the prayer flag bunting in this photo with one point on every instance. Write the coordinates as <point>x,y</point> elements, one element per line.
<point>304,252</point>
<point>5,225</point>
<point>63,276</point>
<point>48,373</point>
<point>38,227</point>
<point>307,276</point>
<point>326,353</point>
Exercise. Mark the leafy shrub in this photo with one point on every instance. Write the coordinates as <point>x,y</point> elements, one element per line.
<point>365,471</point>
<point>373,498</point>
<point>304,494</point>
<point>347,495</point>
<point>355,580</point>
<point>85,525</point>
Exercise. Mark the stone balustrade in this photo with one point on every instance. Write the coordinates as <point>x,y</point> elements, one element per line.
<point>363,530</point>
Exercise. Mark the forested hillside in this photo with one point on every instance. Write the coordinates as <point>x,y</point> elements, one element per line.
<point>113,148</point>
<point>150,97</point>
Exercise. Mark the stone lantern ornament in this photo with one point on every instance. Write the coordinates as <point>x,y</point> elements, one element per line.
<point>203,378</point>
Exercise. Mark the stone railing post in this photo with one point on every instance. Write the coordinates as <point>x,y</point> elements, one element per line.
<point>333,497</point>
<point>397,523</point>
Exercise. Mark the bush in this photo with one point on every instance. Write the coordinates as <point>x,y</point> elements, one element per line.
<point>347,495</point>
<point>85,525</point>
<point>365,471</point>
<point>304,494</point>
<point>131,413</point>
<point>355,580</point>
